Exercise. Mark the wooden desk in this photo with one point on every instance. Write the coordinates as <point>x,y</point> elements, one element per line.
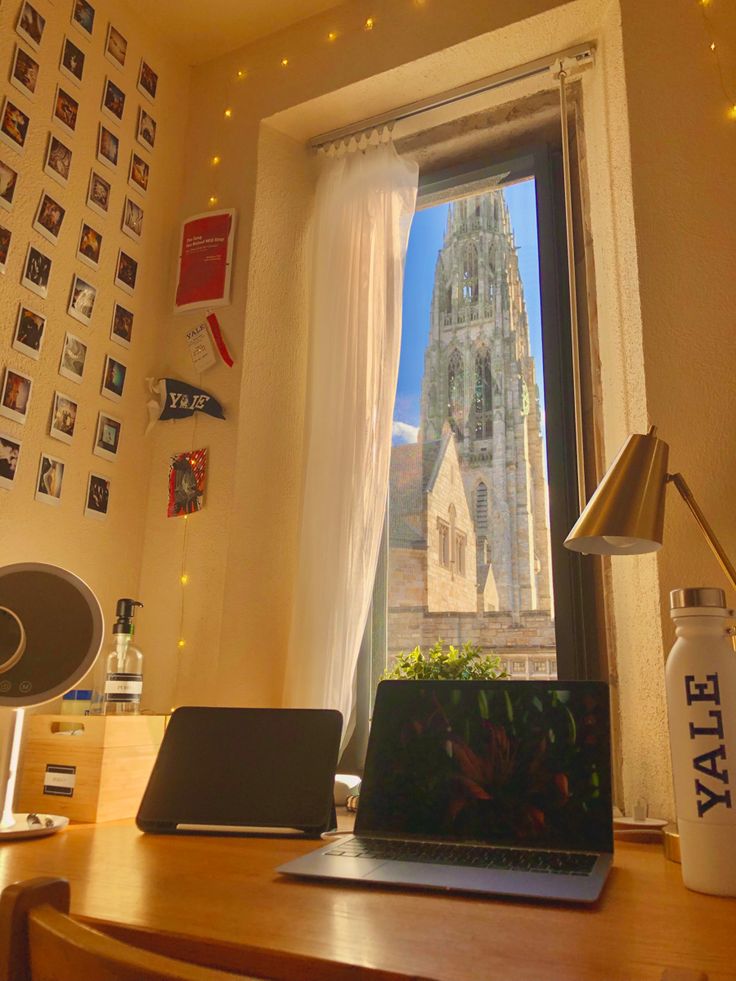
<point>218,901</point>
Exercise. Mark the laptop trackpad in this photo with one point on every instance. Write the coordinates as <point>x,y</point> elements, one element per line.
<point>341,867</point>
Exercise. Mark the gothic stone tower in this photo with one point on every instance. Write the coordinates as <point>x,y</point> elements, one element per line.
<point>479,377</point>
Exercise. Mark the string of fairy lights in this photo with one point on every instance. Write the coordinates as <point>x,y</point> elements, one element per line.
<point>729,90</point>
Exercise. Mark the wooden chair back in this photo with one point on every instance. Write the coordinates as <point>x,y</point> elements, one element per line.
<point>40,941</point>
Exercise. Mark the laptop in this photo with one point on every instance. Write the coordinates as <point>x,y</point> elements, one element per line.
<point>244,771</point>
<point>494,787</point>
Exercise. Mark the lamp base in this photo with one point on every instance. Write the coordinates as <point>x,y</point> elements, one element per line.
<point>33,826</point>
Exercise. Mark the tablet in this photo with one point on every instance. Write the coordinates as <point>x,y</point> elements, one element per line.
<point>244,771</point>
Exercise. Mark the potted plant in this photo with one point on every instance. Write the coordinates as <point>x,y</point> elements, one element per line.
<point>466,663</point>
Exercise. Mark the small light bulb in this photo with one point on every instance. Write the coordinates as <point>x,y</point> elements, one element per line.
<point>212,199</point>
<point>181,642</point>
<point>215,160</point>
<point>184,579</point>
<point>732,112</point>
<point>369,24</point>
<point>284,62</point>
<point>242,73</point>
<point>332,36</point>
<point>228,113</point>
<point>712,45</point>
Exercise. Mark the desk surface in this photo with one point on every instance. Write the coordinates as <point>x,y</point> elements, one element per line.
<point>236,913</point>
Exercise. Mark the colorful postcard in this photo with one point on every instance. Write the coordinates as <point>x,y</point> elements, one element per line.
<point>187,478</point>
<point>73,356</point>
<point>66,109</point>
<point>138,172</point>
<point>8,183</point>
<point>107,438</point>
<point>24,72</point>
<point>50,480</point>
<point>72,61</point>
<point>108,147</point>
<point>29,332</point>
<point>49,218</point>
<point>205,260</point>
<point>145,131</point>
<point>14,125</point>
<point>98,194</point>
<point>113,379</point>
<point>126,272</point>
<point>30,25</point>
<point>113,100</point>
<point>90,246</point>
<point>82,300</point>
<point>97,501</point>
<point>147,81</point>
<point>122,325</point>
<point>132,219</point>
<point>83,17</point>
<point>5,238</point>
<point>63,417</point>
<point>15,395</point>
<point>116,47</point>
<point>36,272</point>
<point>9,460</point>
<point>58,162</point>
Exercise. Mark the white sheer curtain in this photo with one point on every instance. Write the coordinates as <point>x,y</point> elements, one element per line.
<point>364,206</point>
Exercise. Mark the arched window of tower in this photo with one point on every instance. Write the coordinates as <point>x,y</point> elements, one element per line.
<point>456,393</point>
<point>481,508</point>
<point>470,273</point>
<point>483,396</point>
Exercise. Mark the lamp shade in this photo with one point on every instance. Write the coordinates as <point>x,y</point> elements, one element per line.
<point>625,515</point>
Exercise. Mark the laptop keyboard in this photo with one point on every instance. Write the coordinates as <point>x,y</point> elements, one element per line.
<point>471,856</point>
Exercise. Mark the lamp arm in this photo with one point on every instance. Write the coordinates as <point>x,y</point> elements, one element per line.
<point>687,495</point>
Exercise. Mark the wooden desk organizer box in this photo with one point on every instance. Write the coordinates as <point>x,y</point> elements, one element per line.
<point>97,774</point>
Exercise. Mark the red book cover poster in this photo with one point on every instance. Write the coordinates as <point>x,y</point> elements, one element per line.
<point>205,260</point>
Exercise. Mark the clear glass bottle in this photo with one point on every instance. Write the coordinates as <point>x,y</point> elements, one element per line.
<point>124,666</point>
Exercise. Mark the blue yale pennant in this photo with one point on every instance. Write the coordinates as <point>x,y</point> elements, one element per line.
<point>179,400</point>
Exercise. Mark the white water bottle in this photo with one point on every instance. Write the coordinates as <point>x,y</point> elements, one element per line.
<point>701,705</point>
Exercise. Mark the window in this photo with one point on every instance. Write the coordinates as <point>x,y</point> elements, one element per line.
<point>460,545</point>
<point>456,393</point>
<point>483,396</point>
<point>443,547</point>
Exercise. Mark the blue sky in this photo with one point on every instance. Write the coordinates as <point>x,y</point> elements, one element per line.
<point>425,240</point>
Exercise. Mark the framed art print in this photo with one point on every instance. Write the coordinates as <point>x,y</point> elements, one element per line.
<point>14,125</point>
<point>24,72</point>
<point>36,272</point>
<point>15,395</point>
<point>49,218</point>
<point>73,357</point>
<point>82,300</point>
<point>58,162</point>
<point>29,332</point>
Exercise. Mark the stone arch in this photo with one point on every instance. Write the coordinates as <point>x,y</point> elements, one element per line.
<point>469,272</point>
<point>456,392</point>
<point>483,395</point>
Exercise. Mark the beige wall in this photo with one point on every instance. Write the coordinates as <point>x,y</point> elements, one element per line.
<point>447,590</point>
<point>105,553</point>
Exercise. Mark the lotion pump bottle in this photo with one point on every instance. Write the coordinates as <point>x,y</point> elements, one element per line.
<point>124,666</point>
<point>701,704</point>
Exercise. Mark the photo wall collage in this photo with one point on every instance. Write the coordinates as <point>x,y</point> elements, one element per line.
<point>113,222</point>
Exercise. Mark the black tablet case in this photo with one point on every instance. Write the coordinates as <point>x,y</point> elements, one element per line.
<point>243,768</point>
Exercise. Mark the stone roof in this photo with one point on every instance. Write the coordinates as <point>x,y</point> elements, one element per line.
<point>414,469</point>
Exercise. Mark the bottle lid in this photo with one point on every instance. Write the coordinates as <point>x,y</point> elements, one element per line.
<point>695,596</point>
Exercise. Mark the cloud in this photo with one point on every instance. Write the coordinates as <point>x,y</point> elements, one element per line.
<point>402,432</point>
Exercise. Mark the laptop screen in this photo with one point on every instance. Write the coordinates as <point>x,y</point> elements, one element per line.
<point>521,763</point>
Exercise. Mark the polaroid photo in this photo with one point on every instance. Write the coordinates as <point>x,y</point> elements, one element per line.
<point>49,218</point>
<point>15,395</point>
<point>113,379</point>
<point>90,246</point>
<point>82,300</point>
<point>113,100</point>
<point>108,147</point>
<point>30,25</point>
<point>5,237</point>
<point>29,332</point>
<point>72,61</point>
<point>13,126</point>
<point>50,480</point>
<point>138,172</point>
<point>36,272</point>
<point>145,131</point>
<point>147,81</point>
<point>66,110</point>
<point>187,479</point>
<point>8,183</point>
<point>24,72</point>
<point>122,325</point>
<point>132,219</point>
<point>116,47</point>
<point>126,272</point>
<point>83,17</point>
<point>58,162</point>
<point>9,459</point>
<point>98,194</point>
<point>63,417</point>
<point>98,497</point>
<point>107,437</point>
<point>73,356</point>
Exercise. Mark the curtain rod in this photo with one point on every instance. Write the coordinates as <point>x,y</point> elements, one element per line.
<point>576,58</point>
